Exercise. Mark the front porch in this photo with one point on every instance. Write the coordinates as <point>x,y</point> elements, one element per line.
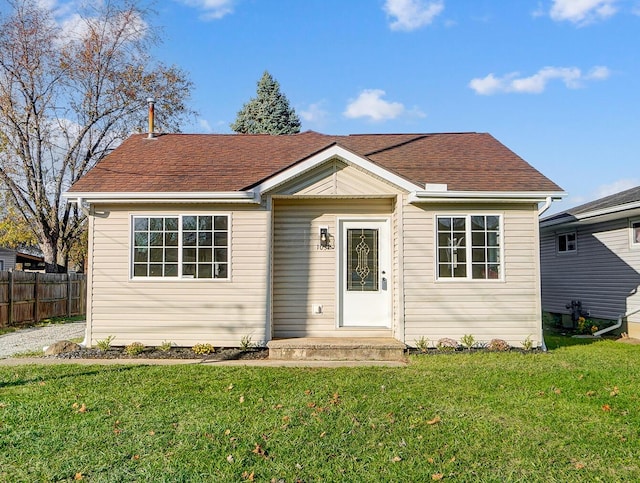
<point>337,349</point>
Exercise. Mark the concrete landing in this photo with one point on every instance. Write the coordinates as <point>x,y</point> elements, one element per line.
<point>337,349</point>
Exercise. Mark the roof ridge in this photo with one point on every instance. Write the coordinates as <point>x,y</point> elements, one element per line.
<point>397,145</point>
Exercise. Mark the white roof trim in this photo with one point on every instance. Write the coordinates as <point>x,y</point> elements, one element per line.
<point>195,196</point>
<point>612,210</point>
<point>440,196</point>
<point>325,155</point>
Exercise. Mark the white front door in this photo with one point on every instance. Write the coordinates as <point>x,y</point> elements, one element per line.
<point>365,273</point>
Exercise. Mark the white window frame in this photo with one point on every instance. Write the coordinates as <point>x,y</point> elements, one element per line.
<point>634,233</point>
<point>575,243</point>
<point>180,248</point>
<point>469,249</point>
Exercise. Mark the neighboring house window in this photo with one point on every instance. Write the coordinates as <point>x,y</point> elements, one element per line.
<point>469,247</point>
<point>1,265</point>
<point>635,233</point>
<point>567,243</point>
<point>194,246</point>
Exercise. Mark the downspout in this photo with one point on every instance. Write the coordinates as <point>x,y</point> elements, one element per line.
<point>541,210</point>
<point>615,326</point>
<point>545,207</point>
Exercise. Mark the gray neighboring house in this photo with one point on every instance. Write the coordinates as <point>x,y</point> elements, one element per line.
<point>591,254</point>
<point>11,259</point>
<point>7,259</point>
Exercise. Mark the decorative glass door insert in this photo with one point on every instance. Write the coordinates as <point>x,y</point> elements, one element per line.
<point>362,260</point>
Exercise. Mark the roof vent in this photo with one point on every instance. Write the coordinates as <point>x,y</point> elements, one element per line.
<point>435,187</point>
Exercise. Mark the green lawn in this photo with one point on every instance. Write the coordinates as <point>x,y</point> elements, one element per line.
<point>570,414</point>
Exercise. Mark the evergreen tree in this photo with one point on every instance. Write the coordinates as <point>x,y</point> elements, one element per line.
<point>268,113</point>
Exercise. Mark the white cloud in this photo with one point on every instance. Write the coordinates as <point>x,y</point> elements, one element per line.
<point>572,77</point>
<point>213,9</point>
<point>582,12</point>
<point>412,14</point>
<point>370,104</point>
<point>314,114</point>
<point>615,187</point>
<point>205,126</point>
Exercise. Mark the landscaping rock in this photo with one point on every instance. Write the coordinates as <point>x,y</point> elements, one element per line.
<point>61,347</point>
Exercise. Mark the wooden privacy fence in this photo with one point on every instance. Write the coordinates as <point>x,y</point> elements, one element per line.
<point>29,297</point>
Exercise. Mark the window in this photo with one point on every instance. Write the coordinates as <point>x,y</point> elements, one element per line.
<point>567,243</point>
<point>193,246</point>
<point>469,247</point>
<point>635,234</point>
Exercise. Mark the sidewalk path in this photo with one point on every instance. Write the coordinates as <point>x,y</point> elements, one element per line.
<point>35,338</point>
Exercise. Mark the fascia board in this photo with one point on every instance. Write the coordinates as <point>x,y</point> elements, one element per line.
<point>485,196</point>
<point>162,197</point>
<point>325,155</point>
<point>595,216</point>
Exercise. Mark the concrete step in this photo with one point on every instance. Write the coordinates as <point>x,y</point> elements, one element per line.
<point>337,349</point>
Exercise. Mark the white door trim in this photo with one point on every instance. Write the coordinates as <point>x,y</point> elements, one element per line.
<point>365,309</point>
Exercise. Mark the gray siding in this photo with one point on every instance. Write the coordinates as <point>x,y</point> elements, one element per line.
<point>8,259</point>
<point>603,274</point>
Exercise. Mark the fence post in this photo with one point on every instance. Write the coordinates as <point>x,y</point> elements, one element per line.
<point>10,311</point>
<point>68,295</point>
<point>36,309</point>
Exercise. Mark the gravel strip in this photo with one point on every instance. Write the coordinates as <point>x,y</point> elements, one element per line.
<point>33,339</point>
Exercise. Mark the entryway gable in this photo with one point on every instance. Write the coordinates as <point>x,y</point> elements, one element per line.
<point>336,177</point>
<point>326,161</point>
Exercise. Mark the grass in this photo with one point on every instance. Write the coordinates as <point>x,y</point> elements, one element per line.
<point>570,414</point>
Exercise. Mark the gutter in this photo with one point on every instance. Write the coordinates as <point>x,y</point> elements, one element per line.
<point>441,195</point>
<point>155,197</point>
<point>569,218</point>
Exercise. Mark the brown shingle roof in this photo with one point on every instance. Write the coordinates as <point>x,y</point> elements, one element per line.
<point>233,162</point>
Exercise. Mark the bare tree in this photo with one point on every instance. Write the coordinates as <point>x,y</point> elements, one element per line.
<point>70,92</point>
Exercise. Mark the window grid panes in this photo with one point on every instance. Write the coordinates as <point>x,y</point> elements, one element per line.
<point>485,247</point>
<point>635,233</point>
<point>567,242</point>
<point>188,246</point>
<point>469,247</point>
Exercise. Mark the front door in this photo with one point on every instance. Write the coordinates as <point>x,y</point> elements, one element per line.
<point>365,273</point>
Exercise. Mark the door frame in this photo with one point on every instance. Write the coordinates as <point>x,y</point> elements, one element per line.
<point>386,265</point>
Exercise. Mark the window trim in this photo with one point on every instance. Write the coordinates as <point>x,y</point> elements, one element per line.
<point>179,277</point>
<point>575,241</point>
<point>634,243</point>
<point>469,247</point>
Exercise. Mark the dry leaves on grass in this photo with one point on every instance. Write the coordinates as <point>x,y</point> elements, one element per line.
<point>260,451</point>
<point>79,408</point>
<point>433,421</point>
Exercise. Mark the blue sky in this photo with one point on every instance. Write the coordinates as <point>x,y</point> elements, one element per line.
<point>554,80</point>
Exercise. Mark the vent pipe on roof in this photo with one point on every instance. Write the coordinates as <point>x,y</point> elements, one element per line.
<point>151,101</point>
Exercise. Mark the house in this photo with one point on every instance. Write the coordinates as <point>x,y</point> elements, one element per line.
<point>209,238</point>
<point>11,259</point>
<point>590,255</point>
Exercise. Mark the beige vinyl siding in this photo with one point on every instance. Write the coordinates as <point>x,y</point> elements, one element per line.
<point>508,309</point>
<point>184,312</point>
<point>604,272</point>
<point>336,178</point>
<point>303,274</point>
